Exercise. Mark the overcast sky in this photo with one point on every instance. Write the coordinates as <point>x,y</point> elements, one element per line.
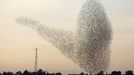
<point>17,42</point>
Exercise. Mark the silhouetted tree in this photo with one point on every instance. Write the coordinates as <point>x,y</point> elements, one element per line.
<point>4,73</point>
<point>10,73</point>
<point>116,73</point>
<point>129,72</point>
<point>81,73</point>
<point>7,73</point>
<point>47,73</point>
<point>26,72</point>
<point>39,72</point>
<point>18,73</point>
<point>101,73</point>
<point>58,73</point>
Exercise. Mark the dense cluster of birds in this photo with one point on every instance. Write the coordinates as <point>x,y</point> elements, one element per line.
<point>89,45</point>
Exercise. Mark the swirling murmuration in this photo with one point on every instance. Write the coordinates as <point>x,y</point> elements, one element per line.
<point>89,45</point>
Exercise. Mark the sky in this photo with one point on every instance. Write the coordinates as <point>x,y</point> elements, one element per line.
<point>17,42</point>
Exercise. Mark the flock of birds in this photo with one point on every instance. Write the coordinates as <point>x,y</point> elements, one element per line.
<point>89,46</point>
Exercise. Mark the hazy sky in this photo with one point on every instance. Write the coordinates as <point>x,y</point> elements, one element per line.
<point>17,42</point>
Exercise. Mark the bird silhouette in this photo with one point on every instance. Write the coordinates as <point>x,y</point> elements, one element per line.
<point>89,45</point>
